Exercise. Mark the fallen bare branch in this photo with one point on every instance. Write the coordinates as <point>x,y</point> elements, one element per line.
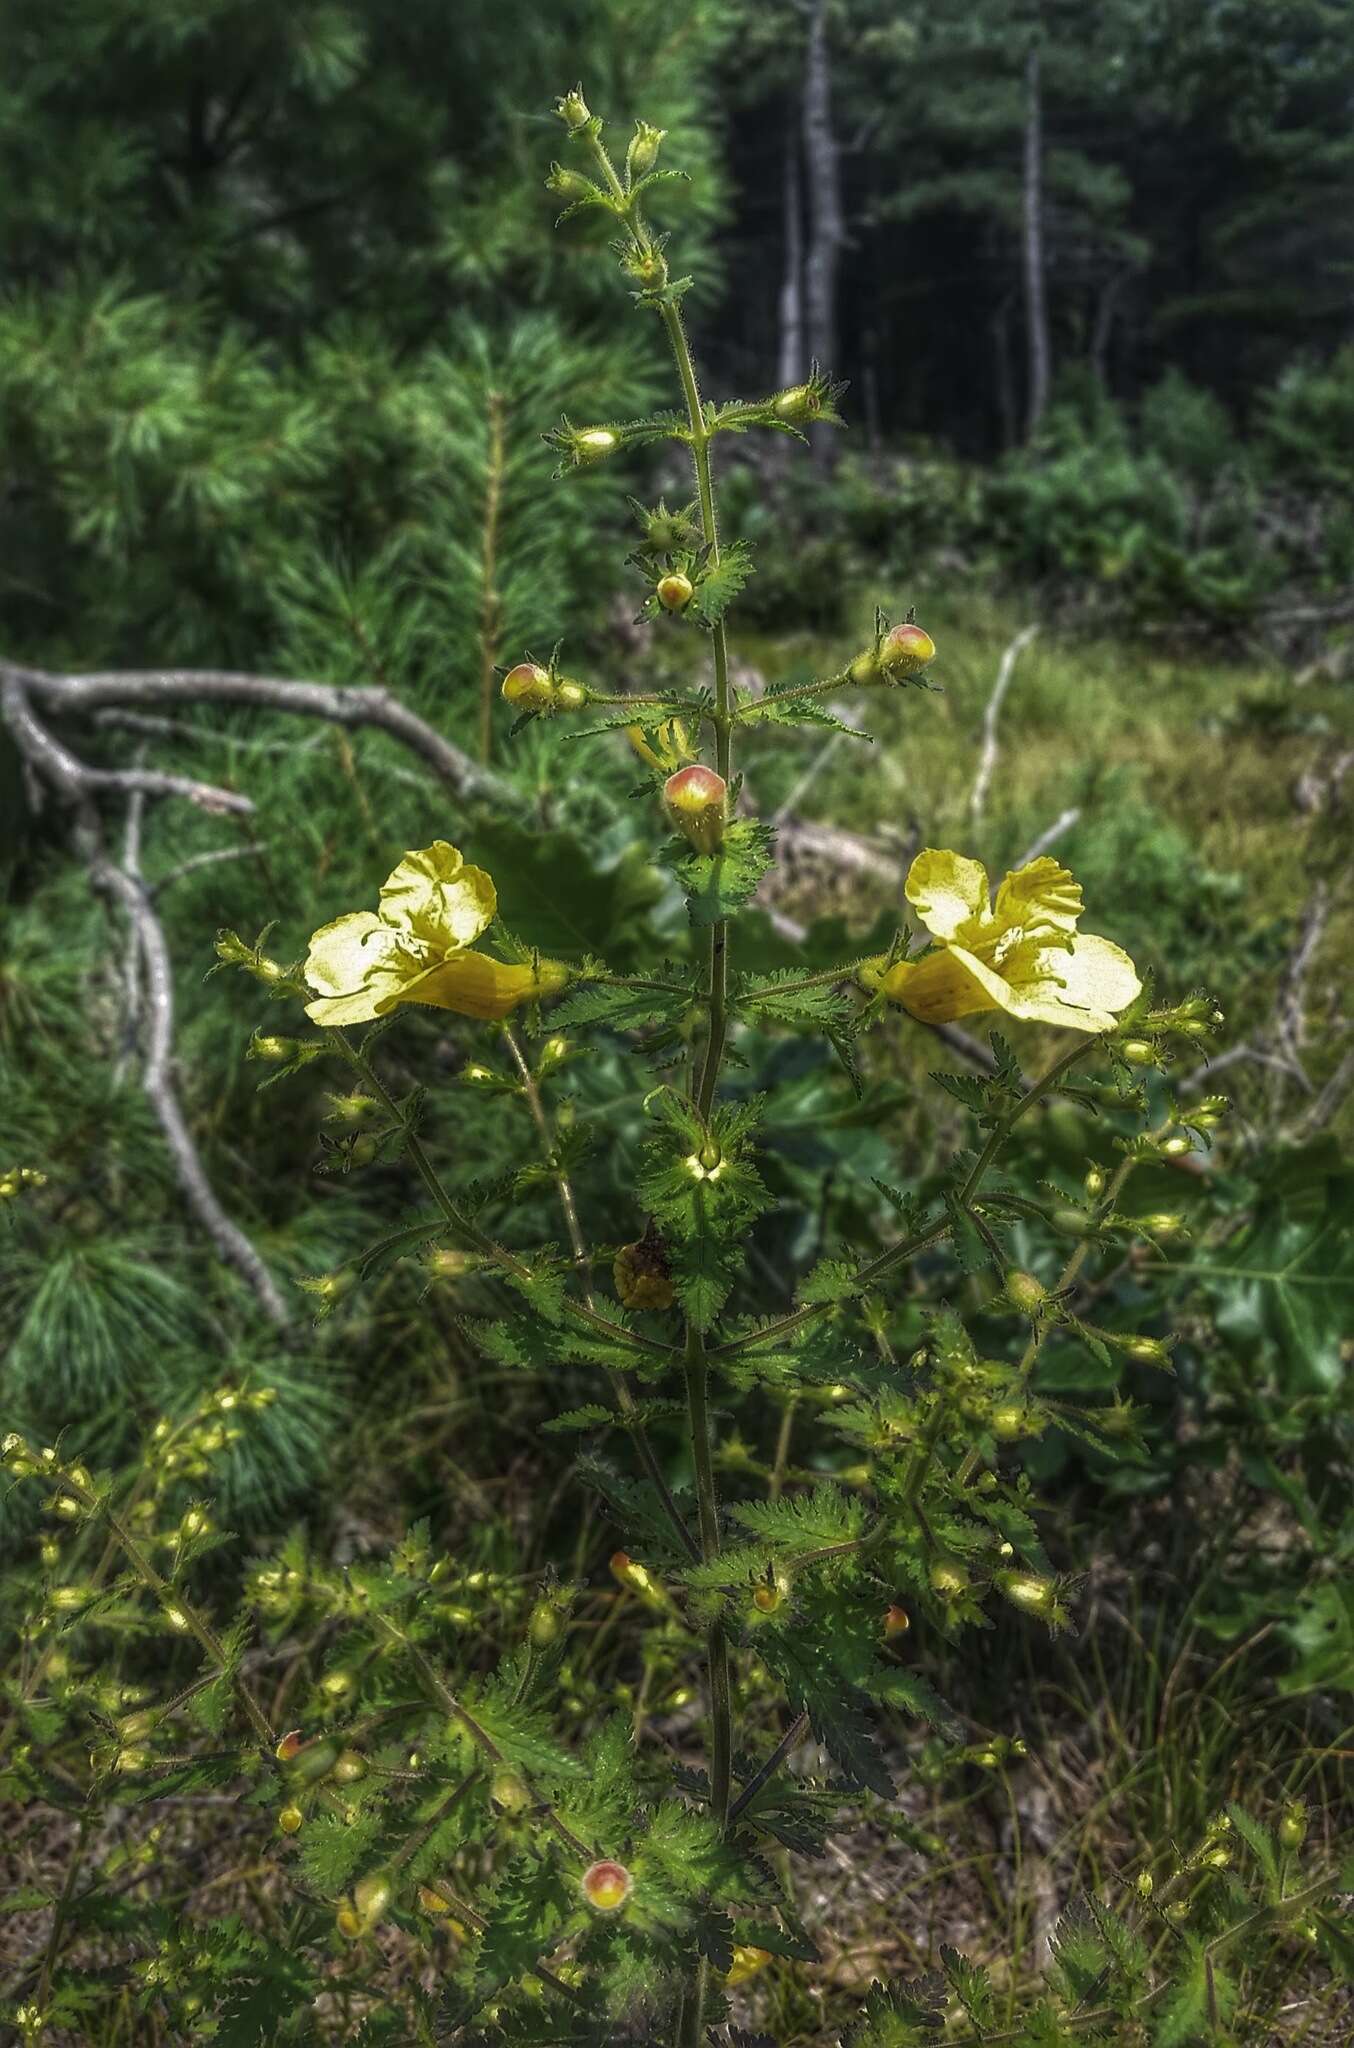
<point>988,759</point>
<point>73,780</point>
<point>129,893</point>
<point>337,704</point>
<point>1049,838</point>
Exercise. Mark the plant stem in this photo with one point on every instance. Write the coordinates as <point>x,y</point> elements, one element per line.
<point>491,604</point>
<point>791,1739</point>
<point>697,1382</point>
<point>499,1254</point>
<point>625,1400</point>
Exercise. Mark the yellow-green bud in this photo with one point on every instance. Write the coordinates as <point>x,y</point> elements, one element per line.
<point>509,1791</point>
<point>799,403</point>
<point>1293,1826</point>
<point>290,1819</point>
<point>1029,1590</point>
<point>573,110</point>
<point>674,591</point>
<point>949,1578</point>
<point>642,154</point>
<point>1025,1292</point>
<point>528,687</point>
<point>1139,1052</point>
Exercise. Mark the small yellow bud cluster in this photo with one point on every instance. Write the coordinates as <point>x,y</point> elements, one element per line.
<point>17,1178</point>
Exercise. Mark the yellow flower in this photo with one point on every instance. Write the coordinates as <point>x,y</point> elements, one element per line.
<point>1022,954</point>
<point>417,949</point>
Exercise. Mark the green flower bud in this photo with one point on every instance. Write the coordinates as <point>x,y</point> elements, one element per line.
<point>1293,1826</point>
<point>865,670</point>
<point>801,402</point>
<point>1028,1590</point>
<point>573,110</point>
<point>642,154</point>
<point>949,1578</point>
<point>1071,1222</point>
<point>568,184</point>
<point>1139,1052</point>
<point>1024,1292</point>
<point>510,1792</point>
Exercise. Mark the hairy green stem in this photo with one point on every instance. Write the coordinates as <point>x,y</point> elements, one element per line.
<point>625,1400</point>
<point>629,1340</point>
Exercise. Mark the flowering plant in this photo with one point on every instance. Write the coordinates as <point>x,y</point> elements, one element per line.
<point>575,1884</point>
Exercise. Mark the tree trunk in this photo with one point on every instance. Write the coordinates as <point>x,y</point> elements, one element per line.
<point>826,232</point>
<point>1107,305</point>
<point>1005,381</point>
<point>791,362</point>
<point>1036,305</point>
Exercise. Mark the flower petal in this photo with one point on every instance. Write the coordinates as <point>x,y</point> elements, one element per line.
<point>1080,988</point>
<point>475,986</point>
<point>946,890</point>
<point>946,984</point>
<point>435,897</point>
<point>1040,895</point>
<point>353,964</point>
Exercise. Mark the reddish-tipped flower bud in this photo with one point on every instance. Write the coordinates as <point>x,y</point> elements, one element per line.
<point>313,1760</point>
<point>641,1275</point>
<point>528,687</point>
<point>695,799</point>
<point>289,1746</point>
<point>675,591</point>
<point>636,1578</point>
<point>905,650</point>
<point>897,1622</point>
<point>606,1886</point>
